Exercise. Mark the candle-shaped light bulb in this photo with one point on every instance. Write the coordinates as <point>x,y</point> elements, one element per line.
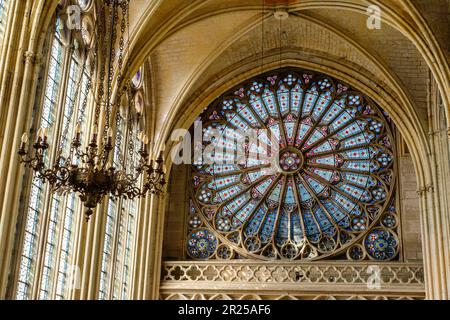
<point>24,138</point>
<point>110,136</point>
<point>138,108</point>
<point>145,139</point>
<point>77,132</point>
<point>23,143</point>
<point>44,136</point>
<point>160,162</point>
<point>39,136</point>
<point>94,133</point>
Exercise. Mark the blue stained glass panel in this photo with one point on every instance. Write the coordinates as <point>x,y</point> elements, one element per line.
<point>270,102</point>
<point>283,228</point>
<point>268,226</point>
<point>296,99</point>
<point>258,105</point>
<point>283,98</point>
<point>310,101</point>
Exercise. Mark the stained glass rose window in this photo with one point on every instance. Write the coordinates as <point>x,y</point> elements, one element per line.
<point>314,179</point>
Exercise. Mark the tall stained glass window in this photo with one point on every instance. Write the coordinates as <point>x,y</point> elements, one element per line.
<point>296,166</point>
<point>37,196</point>
<point>118,244</point>
<point>3,12</point>
<point>113,218</point>
<point>51,218</point>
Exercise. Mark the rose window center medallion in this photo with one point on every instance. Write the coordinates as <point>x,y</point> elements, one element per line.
<point>291,161</point>
<point>333,181</point>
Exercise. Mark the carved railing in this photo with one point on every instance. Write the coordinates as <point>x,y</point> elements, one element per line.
<point>249,279</point>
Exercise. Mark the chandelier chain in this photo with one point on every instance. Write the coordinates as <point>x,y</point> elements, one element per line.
<point>119,117</point>
<point>103,31</point>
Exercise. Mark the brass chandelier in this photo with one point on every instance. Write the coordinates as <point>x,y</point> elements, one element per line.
<point>89,171</point>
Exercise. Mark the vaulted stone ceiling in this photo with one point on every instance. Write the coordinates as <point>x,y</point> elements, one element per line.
<point>191,43</point>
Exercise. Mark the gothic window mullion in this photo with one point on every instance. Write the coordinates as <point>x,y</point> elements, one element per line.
<point>117,262</point>
<point>130,240</point>
<point>53,198</point>
<point>56,245</point>
<point>78,221</point>
<point>70,204</point>
<point>107,252</point>
<point>128,249</point>
<point>53,81</point>
<point>115,265</point>
<point>120,251</point>
<point>33,214</point>
<point>107,269</point>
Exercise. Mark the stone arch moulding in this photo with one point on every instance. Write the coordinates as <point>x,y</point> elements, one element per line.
<point>27,38</point>
<point>402,112</point>
<point>384,77</point>
<point>143,41</point>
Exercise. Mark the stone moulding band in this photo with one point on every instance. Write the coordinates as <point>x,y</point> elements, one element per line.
<point>243,271</point>
<point>401,280</point>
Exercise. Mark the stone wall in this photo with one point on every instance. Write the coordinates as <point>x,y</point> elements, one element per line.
<point>409,209</point>
<point>174,234</point>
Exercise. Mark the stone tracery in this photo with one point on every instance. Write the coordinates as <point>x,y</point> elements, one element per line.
<point>335,179</point>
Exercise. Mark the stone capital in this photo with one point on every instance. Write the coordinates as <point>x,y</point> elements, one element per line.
<point>422,191</point>
<point>32,58</point>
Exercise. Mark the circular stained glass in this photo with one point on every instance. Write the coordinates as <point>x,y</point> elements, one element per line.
<point>195,222</point>
<point>381,244</point>
<point>201,244</point>
<point>356,253</point>
<point>295,164</point>
<point>224,252</point>
<point>389,220</point>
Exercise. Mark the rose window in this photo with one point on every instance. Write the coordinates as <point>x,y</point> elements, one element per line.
<point>295,166</point>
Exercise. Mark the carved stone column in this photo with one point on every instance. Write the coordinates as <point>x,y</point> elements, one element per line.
<point>153,249</point>
<point>435,204</point>
<point>19,73</point>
